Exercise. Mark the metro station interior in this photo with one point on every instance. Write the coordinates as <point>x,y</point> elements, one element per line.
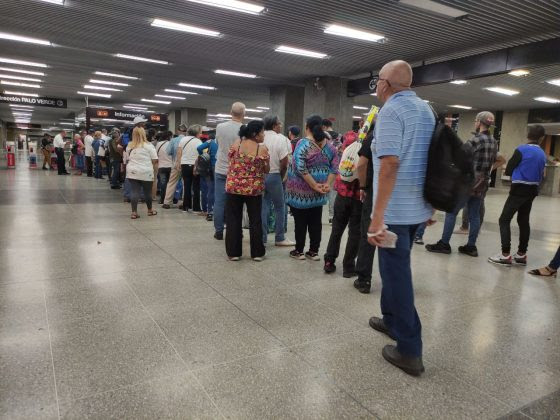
<point>105,316</point>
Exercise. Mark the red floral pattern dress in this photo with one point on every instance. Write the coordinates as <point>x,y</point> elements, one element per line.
<point>246,173</point>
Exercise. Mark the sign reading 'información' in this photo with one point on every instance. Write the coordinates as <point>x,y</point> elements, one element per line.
<point>29,100</point>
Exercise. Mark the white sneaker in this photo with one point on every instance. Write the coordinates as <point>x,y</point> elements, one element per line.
<point>258,259</point>
<point>233,258</point>
<point>285,242</point>
<point>500,260</point>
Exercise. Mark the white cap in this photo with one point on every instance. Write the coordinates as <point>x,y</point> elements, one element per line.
<point>139,119</point>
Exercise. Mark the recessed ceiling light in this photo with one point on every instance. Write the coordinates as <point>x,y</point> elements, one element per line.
<point>503,91</point>
<point>253,110</point>
<point>461,106</point>
<point>435,7</point>
<point>27,79</point>
<point>459,82</point>
<point>197,86</point>
<point>519,72</point>
<point>236,5</point>
<point>148,60</point>
<point>120,76</point>
<point>235,73</point>
<point>9,83</point>
<point>548,100</point>
<point>263,107</point>
<point>12,37</point>
<point>299,51</point>
<point>101,88</point>
<point>353,33</point>
<point>170,97</point>
<point>360,107</point>
<point>101,95</point>
<point>156,102</point>
<point>36,73</point>
<point>105,82</point>
<point>21,62</point>
<point>181,91</point>
<point>34,95</point>
<point>555,82</point>
<point>60,2</point>
<point>161,23</point>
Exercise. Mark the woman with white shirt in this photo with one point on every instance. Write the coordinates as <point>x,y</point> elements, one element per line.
<point>142,163</point>
<point>164,162</point>
<point>187,153</point>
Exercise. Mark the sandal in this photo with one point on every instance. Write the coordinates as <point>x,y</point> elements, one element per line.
<point>543,272</point>
<point>152,213</point>
<point>134,216</point>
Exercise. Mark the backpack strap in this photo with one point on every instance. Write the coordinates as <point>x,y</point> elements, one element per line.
<point>187,143</point>
<point>161,145</point>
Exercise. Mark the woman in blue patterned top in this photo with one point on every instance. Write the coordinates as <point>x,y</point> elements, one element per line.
<point>310,176</point>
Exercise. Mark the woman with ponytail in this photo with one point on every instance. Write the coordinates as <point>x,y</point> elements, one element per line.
<point>310,176</point>
<point>248,165</point>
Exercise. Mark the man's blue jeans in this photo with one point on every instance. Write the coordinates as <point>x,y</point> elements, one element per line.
<point>219,201</point>
<point>209,180</point>
<point>397,294</point>
<point>203,194</point>
<point>274,193</point>
<point>555,263</point>
<point>98,170</point>
<point>473,205</point>
<point>115,173</point>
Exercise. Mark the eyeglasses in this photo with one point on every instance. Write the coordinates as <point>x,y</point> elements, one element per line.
<point>375,82</point>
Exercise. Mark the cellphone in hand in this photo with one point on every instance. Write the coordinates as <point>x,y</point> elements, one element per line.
<point>390,240</point>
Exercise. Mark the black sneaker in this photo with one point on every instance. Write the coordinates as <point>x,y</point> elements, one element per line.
<point>219,236</point>
<point>362,286</point>
<point>296,255</point>
<point>166,206</point>
<point>329,267</point>
<point>469,250</point>
<point>418,241</point>
<point>312,256</point>
<point>209,218</point>
<point>439,248</point>
<point>349,274</point>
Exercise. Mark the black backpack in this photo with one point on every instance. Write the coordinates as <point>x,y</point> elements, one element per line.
<point>450,172</point>
<point>203,167</point>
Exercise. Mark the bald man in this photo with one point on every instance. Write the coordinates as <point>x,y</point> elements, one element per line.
<point>226,134</point>
<point>403,133</point>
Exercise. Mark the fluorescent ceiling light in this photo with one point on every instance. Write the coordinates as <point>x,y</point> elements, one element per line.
<point>299,51</point>
<point>356,117</point>
<point>105,82</point>
<point>555,82</point>
<point>21,106</point>
<point>197,86</point>
<point>27,79</point>
<point>22,114</point>
<point>101,95</point>
<point>435,7</point>
<point>21,62</point>
<point>60,2</point>
<point>235,73</point>
<point>519,72</point>
<point>353,33</point>
<point>461,106</point>
<point>148,60</point>
<point>219,115</point>
<point>102,88</point>
<point>548,100</point>
<point>5,82</point>
<point>253,118</point>
<point>503,91</point>
<point>137,108</point>
<point>36,73</point>
<point>12,37</point>
<point>139,105</point>
<point>34,95</point>
<point>236,5</point>
<point>459,82</point>
<point>253,110</point>
<point>120,76</point>
<point>66,123</point>
<point>170,97</point>
<point>161,23</point>
<point>360,107</point>
<point>181,91</point>
<point>263,107</point>
<point>96,106</point>
<point>156,102</point>
<point>373,94</point>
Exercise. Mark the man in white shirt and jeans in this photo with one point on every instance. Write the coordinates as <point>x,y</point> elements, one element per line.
<point>175,173</point>
<point>279,150</point>
<point>59,144</point>
<point>187,154</point>
<point>88,143</point>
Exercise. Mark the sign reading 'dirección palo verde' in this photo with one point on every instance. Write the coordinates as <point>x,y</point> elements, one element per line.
<point>30,100</point>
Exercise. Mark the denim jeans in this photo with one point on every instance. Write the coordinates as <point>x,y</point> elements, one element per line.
<point>115,173</point>
<point>79,162</point>
<point>397,293</point>
<point>203,194</point>
<point>473,205</point>
<point>219,201</point>
<point>274,193</point>
<point>209,181</point>
<point>163,174</point>
<point>421,230</point>
<point>555,263</point>
<point>98,170</point>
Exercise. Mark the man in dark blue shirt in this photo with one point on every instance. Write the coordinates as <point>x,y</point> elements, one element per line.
<point>526,168</point>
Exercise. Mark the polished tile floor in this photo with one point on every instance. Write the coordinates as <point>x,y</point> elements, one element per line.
<point>105,317</point>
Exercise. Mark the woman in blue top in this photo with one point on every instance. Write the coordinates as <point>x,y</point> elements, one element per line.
<point>310,176</point>
<point>207,175</point>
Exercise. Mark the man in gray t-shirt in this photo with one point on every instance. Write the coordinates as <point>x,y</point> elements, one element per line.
<point>226,134</point>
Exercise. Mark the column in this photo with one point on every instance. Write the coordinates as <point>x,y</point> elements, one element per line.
<point>327,97</point>
<point>287,103</point>
<point>174,119</point>
<point>190,116</point>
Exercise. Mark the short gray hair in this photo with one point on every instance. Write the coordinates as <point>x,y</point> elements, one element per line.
<point>486,118</point>
<point>194,130</point>
<point>238,109</point>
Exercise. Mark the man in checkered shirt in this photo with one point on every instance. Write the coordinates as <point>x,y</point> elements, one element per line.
<point>485,149</point>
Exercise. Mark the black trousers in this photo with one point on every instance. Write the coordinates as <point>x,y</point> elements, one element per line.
<point>520,204</point>
<point>191,188</point>
<point>347,212</point>
<point>89,166</point>
<point>164,174</point>
<point>366,251</point>
<point>60,163</point>
<point>234,220</point>
<point>308,220</point>
<point>135,186</point>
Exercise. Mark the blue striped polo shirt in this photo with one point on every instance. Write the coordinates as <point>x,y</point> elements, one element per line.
<point>404,129</point>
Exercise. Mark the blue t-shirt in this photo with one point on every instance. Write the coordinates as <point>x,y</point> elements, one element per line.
<point>530,169</point>
<point>404,129</point>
